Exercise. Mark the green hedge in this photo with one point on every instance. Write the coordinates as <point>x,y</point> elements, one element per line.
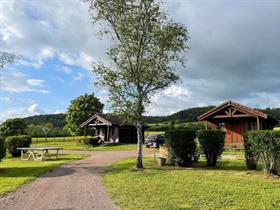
<point>14,142</point>
<point>2,148</point>
<point>251,157</point>
<point>266,144</point>
<point>212,144</point>
<point>181,146</point>
<point>90,141</point>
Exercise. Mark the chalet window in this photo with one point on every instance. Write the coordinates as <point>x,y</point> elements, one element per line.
<point>253,126</point>
<point>221,126</point>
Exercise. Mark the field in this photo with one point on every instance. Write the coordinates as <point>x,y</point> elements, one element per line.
<point>15,172</point>
<point>229,186</point>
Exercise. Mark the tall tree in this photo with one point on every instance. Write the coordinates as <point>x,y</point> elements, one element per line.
<point>6,58</point>
<point>146,48</point>
<point>80,109</point>
<point>13,127</point>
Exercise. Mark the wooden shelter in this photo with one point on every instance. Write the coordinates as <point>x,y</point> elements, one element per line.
<point>235,119</point>
<point>112,129</point>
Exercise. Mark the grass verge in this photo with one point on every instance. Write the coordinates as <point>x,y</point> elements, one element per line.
<point>228,186</point>
<point>15,172</point>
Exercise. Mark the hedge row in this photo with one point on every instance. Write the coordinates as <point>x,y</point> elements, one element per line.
<point>182,147</point>
<point>263,146</point>
<point>14,142</point>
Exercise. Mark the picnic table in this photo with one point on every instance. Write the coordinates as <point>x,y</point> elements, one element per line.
<point>38,153</point>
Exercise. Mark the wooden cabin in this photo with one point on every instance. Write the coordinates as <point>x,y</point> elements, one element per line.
<point>235,119</point>
<point>111,129</point>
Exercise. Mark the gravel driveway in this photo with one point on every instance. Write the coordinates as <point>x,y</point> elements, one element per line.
<point>73,186</point>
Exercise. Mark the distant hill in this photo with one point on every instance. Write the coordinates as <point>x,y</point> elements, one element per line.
<point>187,115</point>
<point>57,120</point>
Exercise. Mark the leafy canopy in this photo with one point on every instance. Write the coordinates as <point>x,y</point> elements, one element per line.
<point>13,127</point>
<point>6,58</point>
<point>81,109</point>
<point>145,50</point>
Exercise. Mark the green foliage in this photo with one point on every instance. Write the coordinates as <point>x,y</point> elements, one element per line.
<point>37,131</point>
<point>6,58</point>
<point>251,157</point>
<point>212,144</point>
<point>14,142</point>
<point>13,127</point>
<point>80,110</point>
<point>266,144</point>
<point>90,141</point>
<point>2,148</point>
<point>181,146</point>
<point>176,125</point>
<point>57,120</point>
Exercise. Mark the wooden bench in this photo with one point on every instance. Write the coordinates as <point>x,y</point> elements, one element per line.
<point>38,153</point>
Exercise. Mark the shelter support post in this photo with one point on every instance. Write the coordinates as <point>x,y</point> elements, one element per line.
<point>258,123</point>
<point>206,125</point>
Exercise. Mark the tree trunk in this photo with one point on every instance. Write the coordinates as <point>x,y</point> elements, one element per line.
<point>139,162</point>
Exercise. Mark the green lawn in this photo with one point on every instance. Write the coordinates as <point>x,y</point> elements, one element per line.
<point>78,146</point>
<point>229,186</point>
<point>15,172</point>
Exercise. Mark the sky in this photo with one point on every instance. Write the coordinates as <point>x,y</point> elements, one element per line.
<point>235,54</point>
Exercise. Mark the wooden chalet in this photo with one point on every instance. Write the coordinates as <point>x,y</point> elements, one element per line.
<point>235,119</point>
<point>112,129</point>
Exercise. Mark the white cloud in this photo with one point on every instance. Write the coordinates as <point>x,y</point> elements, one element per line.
<point>35,82</point>
<point>20,112</point>
<point>79,76</point>
<point>17,82</point>
<point>6,99</point>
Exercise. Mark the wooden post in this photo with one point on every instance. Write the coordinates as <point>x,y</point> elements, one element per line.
<point>108,138</point>
<point>258,123</point>
<point>206,125</point>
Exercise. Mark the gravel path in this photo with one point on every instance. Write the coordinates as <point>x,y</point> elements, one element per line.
<point>73,186</point>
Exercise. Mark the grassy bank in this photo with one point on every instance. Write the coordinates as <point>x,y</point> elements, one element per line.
<point>15,172</point>
<point>229,186</point>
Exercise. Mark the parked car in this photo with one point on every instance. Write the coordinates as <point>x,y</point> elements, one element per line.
<point>154,140</point>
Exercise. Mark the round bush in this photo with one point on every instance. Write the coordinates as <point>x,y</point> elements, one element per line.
<point>181,146</point>
<point>212,144</point>
<point>14,142</point>
<point>2,148</point>
<point>90,141</point>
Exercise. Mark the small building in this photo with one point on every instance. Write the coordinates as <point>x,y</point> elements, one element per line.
<point>235,119</point>
<point>112,129</point>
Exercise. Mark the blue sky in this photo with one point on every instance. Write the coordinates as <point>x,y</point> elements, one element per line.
<point>235,54</point>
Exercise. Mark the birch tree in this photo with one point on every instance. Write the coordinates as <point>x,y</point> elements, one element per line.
<point>145,50</point>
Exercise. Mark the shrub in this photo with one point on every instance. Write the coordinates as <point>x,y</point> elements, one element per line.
<point>267,145</point>
<point>14,142</point>
<point>90,141</point>
<point>2,148</point>
<point>181,146</point>
<point>212,144</point>
<point>251,157</point>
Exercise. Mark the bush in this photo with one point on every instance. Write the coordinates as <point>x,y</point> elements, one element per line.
<point>90,141</point>
<point>14,142</point>
<point>266,144</point>
<point>181,146</point>
<point>2,148</point>
<point>251,157</point>
<point>212,144</point>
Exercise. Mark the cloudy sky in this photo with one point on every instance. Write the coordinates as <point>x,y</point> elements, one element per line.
<point>235,54</point>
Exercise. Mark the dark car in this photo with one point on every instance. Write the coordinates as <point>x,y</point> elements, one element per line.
<point>154,140</point>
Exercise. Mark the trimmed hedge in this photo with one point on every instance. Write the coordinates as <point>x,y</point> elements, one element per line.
<point>212,144</point>
<point>181,146</point>
<point>2,148</point>
<point>266,144</point>
<point>90,141</point>
<point>251,157</point>
<point>14,142</point>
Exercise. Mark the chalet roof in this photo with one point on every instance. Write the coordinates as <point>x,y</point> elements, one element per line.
<point>240,107</point>
<point>106,119</point>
